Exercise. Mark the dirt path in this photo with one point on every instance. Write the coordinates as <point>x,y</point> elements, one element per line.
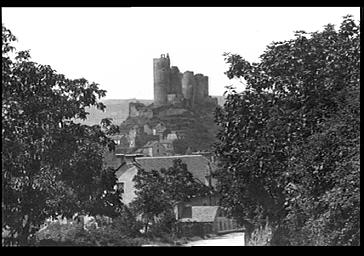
<point>232,239</point>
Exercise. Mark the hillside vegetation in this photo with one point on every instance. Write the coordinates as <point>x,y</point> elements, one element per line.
<point>196,126</point>
<point>118,110</point>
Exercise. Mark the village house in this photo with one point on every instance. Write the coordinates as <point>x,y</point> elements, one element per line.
<point>159,130</point>
<point>172,136</point>
<point>147,129</point>
<point>198,165</point>
<point>168,145</point>
<point>155,148</point>
<point>200,215</point>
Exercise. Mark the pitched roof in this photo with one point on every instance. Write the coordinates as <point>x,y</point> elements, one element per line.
<point>196,164</point>
<point>202,214</point>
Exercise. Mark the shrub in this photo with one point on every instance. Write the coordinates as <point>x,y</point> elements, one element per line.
<point>261,236</point>
<point>58,233</point>
<point>123,231</point>
<point>127,224</point>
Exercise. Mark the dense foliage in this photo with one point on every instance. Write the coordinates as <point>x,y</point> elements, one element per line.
<point>123,231</point>
<point>158,191</point>
<point>289,143</point>
<point>51,165</point>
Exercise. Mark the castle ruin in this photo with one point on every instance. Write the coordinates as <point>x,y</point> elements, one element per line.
<point>171,86</point>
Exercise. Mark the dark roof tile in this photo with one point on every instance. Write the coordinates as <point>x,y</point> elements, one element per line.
<point>196,164</point>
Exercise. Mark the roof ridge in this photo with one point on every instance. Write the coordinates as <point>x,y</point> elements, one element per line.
<point>177,156</point>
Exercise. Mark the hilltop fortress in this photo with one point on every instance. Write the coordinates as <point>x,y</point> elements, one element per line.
<point>171,86</point>
<point>174,92</point>
<point>181,118</point>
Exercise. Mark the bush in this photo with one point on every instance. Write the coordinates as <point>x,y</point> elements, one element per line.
<point>123,231</point>
<point>77,236</point>
<point>127,224</point>
<point>58,233</point>
<point>106,236</point>
<point>164,229</point>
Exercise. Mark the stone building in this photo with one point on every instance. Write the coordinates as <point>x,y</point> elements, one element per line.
<point>171,86</point>
<point>137,109</point>
<point>147,130</point>
<point>132,135</point>
<point>154,148</point>
<point>159,130</point>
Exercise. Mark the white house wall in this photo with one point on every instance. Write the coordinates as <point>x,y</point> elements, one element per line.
<point>129,189</point>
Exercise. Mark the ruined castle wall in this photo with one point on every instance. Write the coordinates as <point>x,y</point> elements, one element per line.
<point>161,68</point>
<point>188,83</point>
<point>205,83</point>
<point>172,112</point>
<point>133,111</point>
<point>176,82</point>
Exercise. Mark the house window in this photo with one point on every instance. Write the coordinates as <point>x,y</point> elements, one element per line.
<point>120,187</point>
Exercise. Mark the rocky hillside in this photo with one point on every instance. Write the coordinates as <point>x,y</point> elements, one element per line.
<point>196,124</point>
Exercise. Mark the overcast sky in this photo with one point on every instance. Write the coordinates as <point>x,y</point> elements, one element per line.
<point>115,47</point>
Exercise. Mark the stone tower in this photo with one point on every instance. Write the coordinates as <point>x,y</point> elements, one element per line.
<point>205,83</point>
<point>161,68</point>
<point>171,86</point>
<point>198,89</point>
<point>188,83</point>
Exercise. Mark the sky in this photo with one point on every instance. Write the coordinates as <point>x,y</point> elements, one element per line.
<point>115,47</point>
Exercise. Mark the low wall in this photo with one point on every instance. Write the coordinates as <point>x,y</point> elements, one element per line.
<point>190,229</point>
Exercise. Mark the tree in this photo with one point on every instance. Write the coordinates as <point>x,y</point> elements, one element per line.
<point>180,146</point>
<point>51,165</point>
<point>151,201</point>
<point>289,143</point>
<point>158,191</point>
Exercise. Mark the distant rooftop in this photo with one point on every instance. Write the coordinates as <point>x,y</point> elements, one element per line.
<point>175,157</point>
